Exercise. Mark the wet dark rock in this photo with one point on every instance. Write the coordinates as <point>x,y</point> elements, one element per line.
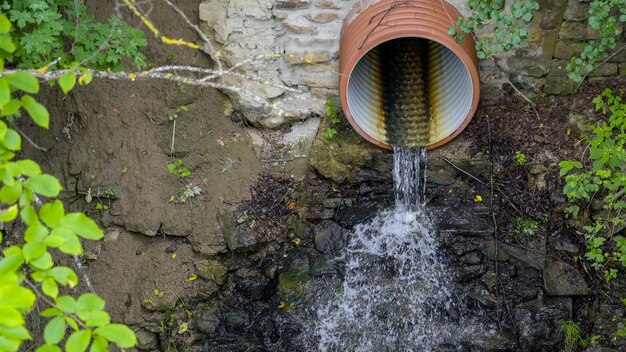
<point>331,202</point>
<point>319,213</point>
<point>471,273</point>
<point>320,265</point>
<point>472,258</point>
<point>460,221</point>
<point>562,279</point>
<point>207,318</point>
<point>533,256</point>
<point>253,284</point>
<point>292,284</point>
<point>349,216</point>
<point>236,320</point>
<point>329,237</point>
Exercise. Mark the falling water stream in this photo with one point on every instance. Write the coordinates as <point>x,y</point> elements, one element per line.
<point>396,294</point>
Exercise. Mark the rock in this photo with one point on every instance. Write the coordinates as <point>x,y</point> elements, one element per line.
<point>211,270</point>
<point>299,24</point>
<point>472,258</point>
<point>257,143</point>
<point>292,283</point>
<point>329,237</point>
<point>253,284</point>
<point>208,241</point>
<point>146,340</point>
<point>322,17</point>
<point>561,279</point>
<point>292,4</point>
<point>238,238</point>
<point>471,273</point>
<point>236,320</point>
<point>331,202</point>
<point>112,236</point>
<point>536,176</point>
<point>534,256</point>
<point>577,10</point>
<point>321,265</point>
<point>207,318</point>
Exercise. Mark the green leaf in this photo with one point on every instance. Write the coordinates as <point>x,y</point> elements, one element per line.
<point>67,81</point>
<point>52,213</point>
<point>10,317</point>
<point>8,215</point>
<point>37,112</point>
<point>78,341</point>
<point>33,250</point>
<point>51,312</point>
<point>86,77</point>
<point>50,288</point>
<point>54,241</point>
<point>11,263</point>
<point>12,140</point>
<point>89,302</point>
<point>29,215</point>
<point>11,107</point>
<point>28,167</point>
<point>8,345</point>
<point>66,303</point>
<point>35,233</point>
<point>15,333</point>
<point>55,330</point>
<point>99,344</point>
<point>45,185</point>
<point>72,243</point>
<point>24,81</point>
<point>5,92</point>
<point>64,276</point>
<point>82,225</point>
<point>95,319</point>
<point>42,263</point>
<point>5,24</point>
<point>6,44</point>
<point>119,334</point>
<point>71,322</point>
<point>17,297</point>
<point>49,348</point>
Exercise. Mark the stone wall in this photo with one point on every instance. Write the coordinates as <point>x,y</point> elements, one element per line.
<point>297,45</point>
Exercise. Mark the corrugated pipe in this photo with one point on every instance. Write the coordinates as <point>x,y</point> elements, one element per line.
<point>403,79</point>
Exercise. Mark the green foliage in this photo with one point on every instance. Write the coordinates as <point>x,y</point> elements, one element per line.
<point>526,227</point>
<point>571,332</point>
<point>507,27</point>
<point>604,178</point>
<point>520,158</point>
<point>48,29</point>
<point>189,192</point>
<point>28,273</point>
<point>174,116</point>
<point>178,169</point>
<point>604,18</point>
<point>331,114</point>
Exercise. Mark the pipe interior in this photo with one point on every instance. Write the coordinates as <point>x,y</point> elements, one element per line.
<point>450,89</point>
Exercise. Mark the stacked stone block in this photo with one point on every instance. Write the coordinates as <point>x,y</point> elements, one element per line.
<point>299,40</point>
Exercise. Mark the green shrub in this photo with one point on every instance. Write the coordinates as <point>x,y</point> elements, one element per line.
<point>45,30</point>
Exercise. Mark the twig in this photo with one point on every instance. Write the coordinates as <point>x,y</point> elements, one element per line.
<point>283,160</point>
<point>173,139</point>
<point>52,304</point>
<point>205,39</point>
<point>495,234</point>
<point>30,141</point>
<point>463,171</point>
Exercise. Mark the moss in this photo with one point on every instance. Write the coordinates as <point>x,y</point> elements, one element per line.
<point>291,286</point>
<point>340,156</point>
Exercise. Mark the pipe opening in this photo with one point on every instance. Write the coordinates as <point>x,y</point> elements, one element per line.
<point>410,91</point>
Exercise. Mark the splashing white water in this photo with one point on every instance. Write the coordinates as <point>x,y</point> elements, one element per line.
<point>396,294</point>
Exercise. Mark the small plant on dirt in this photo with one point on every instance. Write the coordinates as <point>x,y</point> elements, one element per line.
<point>603,177</point>
<point>111,192</point>
<point>571,332</point>
<point>507,26</point>
<point>520,158</point>
<point>101,207</point>
<point>178,169</point>
<point>189,192</point>
<point>331,114</point>
<point>174,115</point>
<point>526,227</point>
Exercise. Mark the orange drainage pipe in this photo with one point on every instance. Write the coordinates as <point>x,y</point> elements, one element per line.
<point>454,81</point>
